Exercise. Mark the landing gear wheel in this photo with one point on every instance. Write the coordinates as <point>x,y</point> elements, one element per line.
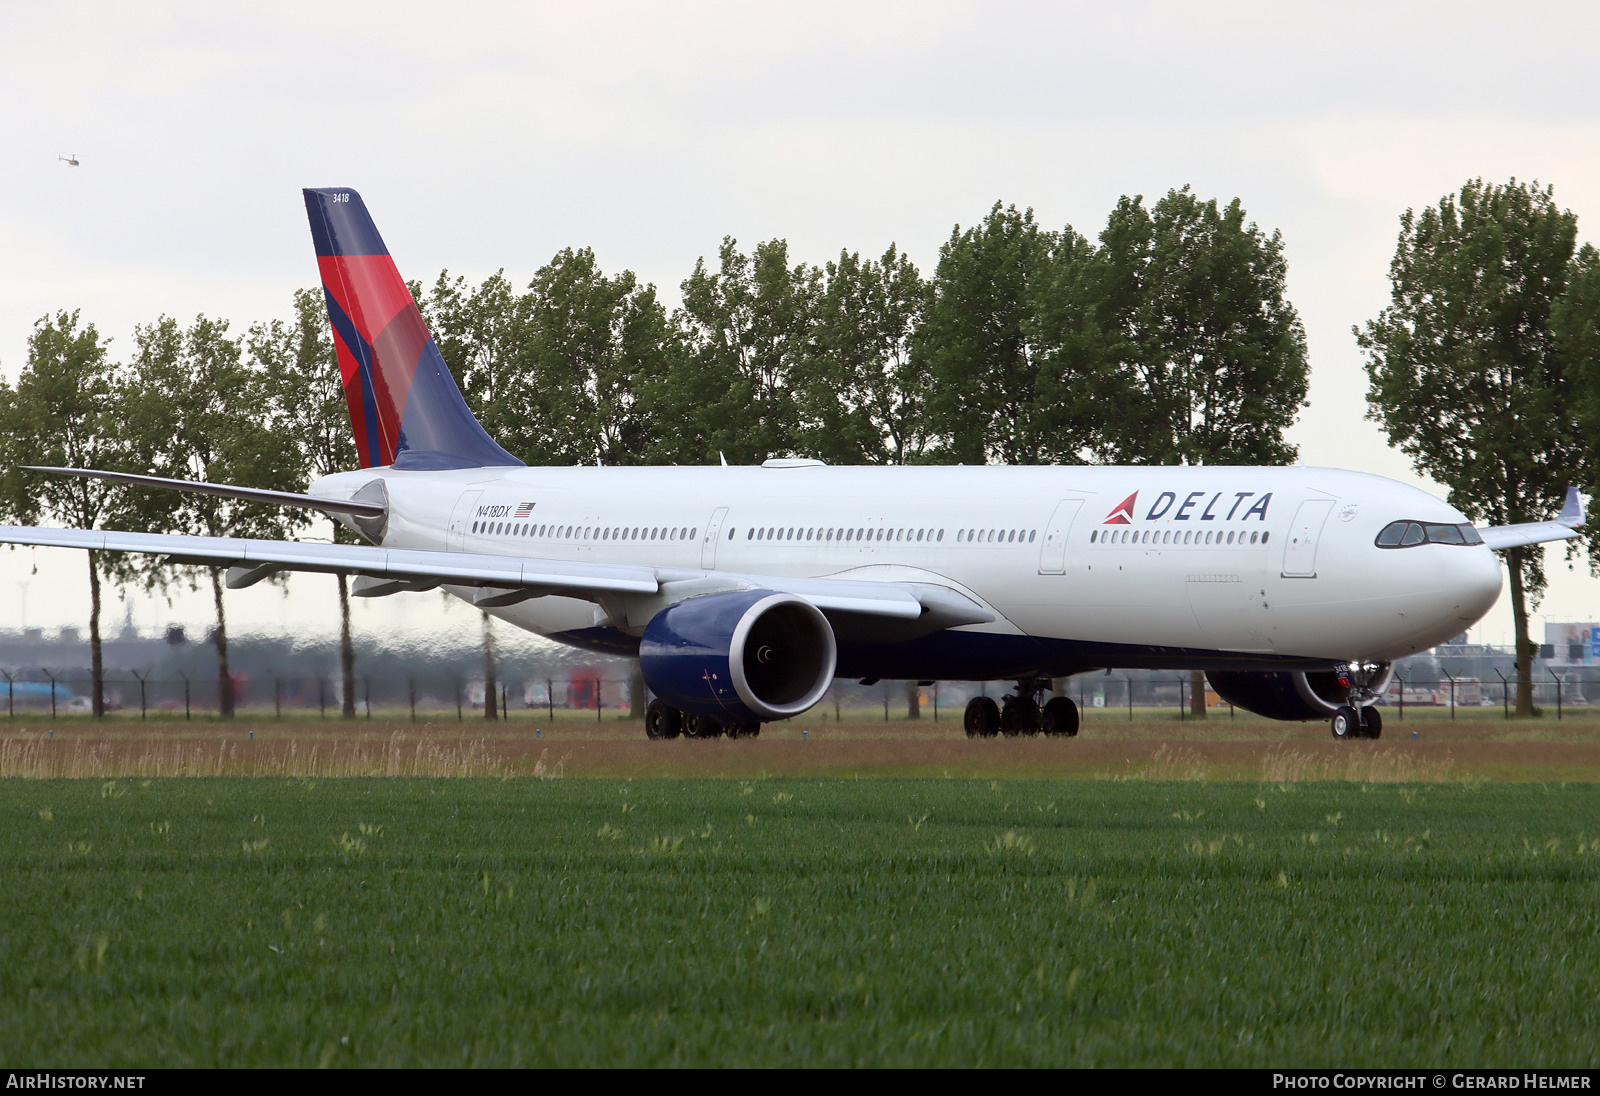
<point>1346,723</point>
<point>1020,716</point>
<point>742,730</point>
<point>662,721</point>
<point>1371,722</point>
<point>700,726</point>
<point>982,718</point>
<point>1060,717</point>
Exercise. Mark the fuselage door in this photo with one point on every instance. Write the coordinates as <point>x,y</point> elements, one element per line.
<point>461,521</point>
<point>1053,555</point>
<point>1300,550</point>
<point>708,546</point>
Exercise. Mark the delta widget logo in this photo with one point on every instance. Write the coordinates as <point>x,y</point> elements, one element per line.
<point>1123,514</point>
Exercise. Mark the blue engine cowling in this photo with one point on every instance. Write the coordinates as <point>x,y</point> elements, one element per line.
<point>742,657</point>
<point>1293,694</point>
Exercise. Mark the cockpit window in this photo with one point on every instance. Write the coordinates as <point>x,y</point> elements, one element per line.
<point>1408,534</point>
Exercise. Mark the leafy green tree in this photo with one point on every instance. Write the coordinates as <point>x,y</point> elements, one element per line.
<point>607,339</point>
<point>300,372</point>
<point>1466,372</point>
<point>745,329</point>
<point>67,411</point>
<point>1191,329</point>
<point>1575,321</point>
<point>861,393</point>
<point>555,374</point>
<point>976,340</point>
<point>196,411</point>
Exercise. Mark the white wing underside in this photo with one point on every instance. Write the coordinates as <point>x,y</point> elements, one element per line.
<point>507,579</point>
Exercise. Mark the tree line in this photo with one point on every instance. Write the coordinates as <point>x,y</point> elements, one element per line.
<point>1167,338</point>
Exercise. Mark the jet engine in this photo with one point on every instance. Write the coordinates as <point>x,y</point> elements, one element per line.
<point>743,657</point>
<point>1292,694</point>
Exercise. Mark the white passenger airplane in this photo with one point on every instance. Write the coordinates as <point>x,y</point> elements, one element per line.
<point>744,591</point>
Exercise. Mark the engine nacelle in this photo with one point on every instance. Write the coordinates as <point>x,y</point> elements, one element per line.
<point>740,657</point>
<point>1292,694</point>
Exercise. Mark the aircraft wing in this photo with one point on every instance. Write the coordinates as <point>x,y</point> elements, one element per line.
<point>1564,527</point>
<point>505,580</point>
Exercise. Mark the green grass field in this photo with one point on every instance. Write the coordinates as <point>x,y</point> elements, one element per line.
<point>368,922</point>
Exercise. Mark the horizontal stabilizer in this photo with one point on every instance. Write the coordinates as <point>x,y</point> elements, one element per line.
<point>353,507</point>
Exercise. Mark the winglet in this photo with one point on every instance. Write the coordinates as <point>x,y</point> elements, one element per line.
<point>1573,511</point>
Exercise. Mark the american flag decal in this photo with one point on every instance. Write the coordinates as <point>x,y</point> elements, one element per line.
<point>523,510</point>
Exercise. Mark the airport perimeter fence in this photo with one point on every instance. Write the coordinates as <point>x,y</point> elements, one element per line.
<point>26,692</point>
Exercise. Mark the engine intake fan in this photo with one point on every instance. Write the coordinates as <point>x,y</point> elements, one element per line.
<point>749,656</point>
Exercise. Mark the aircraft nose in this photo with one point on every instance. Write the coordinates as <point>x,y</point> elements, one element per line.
<point>1478,583</point>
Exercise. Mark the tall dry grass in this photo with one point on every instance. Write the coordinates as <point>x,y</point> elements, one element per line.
<point>1285,765</point>
<point>40,758</point>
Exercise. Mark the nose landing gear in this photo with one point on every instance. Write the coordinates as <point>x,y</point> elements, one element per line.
<point>1359,718</point>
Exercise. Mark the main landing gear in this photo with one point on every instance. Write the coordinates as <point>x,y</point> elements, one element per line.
<point>662,720</point>
<point>1021,714</point>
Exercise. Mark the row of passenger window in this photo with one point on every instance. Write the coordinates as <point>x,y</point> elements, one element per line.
<point>900,536</point>
<point>1171,536</point>
<point>584,533</point>
<point>794,535</point>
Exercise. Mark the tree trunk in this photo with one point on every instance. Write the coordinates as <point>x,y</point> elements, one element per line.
<point>1197,694</point>
<point>347,650</point>
<point>97,671</point>
<point>1526,648</point>
<point>224,678</point>
<point>491,694</point>
<point>913,701</point>
<point>636,700</point>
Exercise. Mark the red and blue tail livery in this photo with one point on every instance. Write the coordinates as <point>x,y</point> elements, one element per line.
<point>405,408</point>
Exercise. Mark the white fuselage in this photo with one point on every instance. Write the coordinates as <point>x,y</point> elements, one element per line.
<point>1261,562</point>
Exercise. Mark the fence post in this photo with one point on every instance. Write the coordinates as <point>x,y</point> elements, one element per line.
<point>1402,698</point>
<point>10,693</point>
<point>411,691</point>
<point>1547,670</point>
<point>187,714</point>
<point>1505,693</point>
<point>458,700</point>
<point>52,678</point>
<point>366,684</point>
<point>1447,673</point>
<point>597,700</point>
<point>1182,689</point>
<point>886,702</point>
<point>1130,698</point>
<point>936,702</point>
<point>277,697</point>
<point>140,678</point>
<point>550,698</point>
<point>322,697</point>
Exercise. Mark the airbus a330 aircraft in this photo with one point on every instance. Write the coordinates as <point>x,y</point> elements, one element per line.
<point>744,591</point>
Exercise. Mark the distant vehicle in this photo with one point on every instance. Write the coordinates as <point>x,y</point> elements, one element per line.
<point>36,694</point>
<point>70,161</point>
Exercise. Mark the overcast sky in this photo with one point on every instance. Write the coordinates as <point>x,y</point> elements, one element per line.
<point>492,135</point>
